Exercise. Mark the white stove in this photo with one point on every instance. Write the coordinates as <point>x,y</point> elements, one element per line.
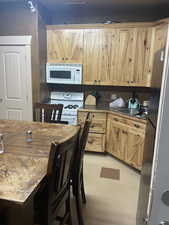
<point>72,101</point>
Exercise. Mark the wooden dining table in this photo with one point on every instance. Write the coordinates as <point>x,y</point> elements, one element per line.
<point>23,165</point>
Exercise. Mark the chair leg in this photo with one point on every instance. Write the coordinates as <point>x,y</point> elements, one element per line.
<point>83,189</point>
<point>68,210</point>
<point>78,208</point>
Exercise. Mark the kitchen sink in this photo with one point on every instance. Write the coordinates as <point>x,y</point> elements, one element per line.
<point>126,111</point>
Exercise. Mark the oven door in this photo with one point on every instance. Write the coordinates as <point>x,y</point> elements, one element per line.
<point>71,119</point>
<point>60,75</point>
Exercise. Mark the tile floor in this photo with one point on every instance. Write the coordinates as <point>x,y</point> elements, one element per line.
<point>109,202</point>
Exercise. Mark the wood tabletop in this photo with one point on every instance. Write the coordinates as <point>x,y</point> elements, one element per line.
<point>24,165</point>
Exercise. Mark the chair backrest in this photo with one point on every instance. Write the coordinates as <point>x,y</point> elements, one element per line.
<point>49,113</point>
<point>59,171</point>
<point>85,132</point>
<point>78,157</point>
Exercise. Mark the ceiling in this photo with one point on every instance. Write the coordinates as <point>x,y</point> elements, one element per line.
<point>52,4</point>
<point>101,10</point>
<point>104,3</point>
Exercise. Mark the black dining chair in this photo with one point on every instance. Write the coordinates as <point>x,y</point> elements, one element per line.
<point>77,179</point>
<point>54,193</point>
<point>50,113</point>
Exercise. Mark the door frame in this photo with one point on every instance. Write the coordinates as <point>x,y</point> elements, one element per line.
<point>25,41</point>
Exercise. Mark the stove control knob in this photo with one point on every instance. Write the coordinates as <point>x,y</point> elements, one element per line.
<point>76,106</point>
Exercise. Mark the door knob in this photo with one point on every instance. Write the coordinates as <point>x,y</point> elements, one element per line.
<point>164,223</point>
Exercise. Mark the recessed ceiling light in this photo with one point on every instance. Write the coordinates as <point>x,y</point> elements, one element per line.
<point>74,2</point>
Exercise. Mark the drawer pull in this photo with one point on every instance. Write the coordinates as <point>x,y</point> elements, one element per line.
<point>137,126</point>
<point>90,141</point>
<point>116,119</point>
<point>92,126</point>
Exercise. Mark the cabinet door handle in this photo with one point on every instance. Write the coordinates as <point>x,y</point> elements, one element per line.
<point>1,100</point>
<point>137,126</point>
<point>95,81</point>
<point>90,141</point>
<point>116,119</point>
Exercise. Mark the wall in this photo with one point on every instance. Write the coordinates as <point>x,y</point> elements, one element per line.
<point>42,42</point>
<point>84,14</point>
<point>17,19</point>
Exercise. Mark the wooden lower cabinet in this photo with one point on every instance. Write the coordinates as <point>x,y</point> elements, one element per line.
<point>126,140</point>
<point>114,140</point>
<point>121,136</point>
<point>97,131</point>
<point>98,124</point>
<point>134,151</point>
<point>95,142</point>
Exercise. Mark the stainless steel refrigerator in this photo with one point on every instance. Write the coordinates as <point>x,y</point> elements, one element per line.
<point>153,202</point>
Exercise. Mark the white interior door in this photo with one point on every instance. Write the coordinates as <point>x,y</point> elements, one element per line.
<point>15,90</point>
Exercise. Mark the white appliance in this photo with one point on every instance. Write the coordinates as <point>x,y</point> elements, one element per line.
<point>72,101</point>
<point>62,73</point>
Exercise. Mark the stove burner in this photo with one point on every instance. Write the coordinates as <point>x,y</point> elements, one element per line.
<point>71,107</point>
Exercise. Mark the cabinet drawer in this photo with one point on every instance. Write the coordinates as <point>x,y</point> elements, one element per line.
<point>95,142</point>
<point>136,125</point>
<point>128,123</point>
<point>117,118</point>
<point>98,124</point>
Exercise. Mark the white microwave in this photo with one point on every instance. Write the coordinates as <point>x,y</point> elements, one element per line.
<point>63,73</point>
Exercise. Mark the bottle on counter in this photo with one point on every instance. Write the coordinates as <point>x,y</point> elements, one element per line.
<point>2,149</point>
<point>29,136</point>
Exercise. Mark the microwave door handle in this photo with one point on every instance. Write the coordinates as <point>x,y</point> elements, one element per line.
<point>74,76</point>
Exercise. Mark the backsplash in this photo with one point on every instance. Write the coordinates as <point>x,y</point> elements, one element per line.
<point>105,92</point>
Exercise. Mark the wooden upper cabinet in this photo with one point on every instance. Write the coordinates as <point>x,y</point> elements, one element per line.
<point>117,56</point>
<point>160,39</point>
<point>95,66</point>
<point>125,56</point>
<point>65,45</point>
<point>113,50</point>
<point>143,58</point>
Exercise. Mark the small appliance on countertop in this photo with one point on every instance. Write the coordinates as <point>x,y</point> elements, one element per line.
<point>144,109</point>
<point>72,101</point>
<point>64,73</point>
<point>117,102</point>
<point>133,103</point>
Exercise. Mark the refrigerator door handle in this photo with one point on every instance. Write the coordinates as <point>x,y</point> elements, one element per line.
<point>149,208</point>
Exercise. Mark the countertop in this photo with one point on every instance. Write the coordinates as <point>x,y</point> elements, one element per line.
<point>122,111</point>
<point>23,165</point>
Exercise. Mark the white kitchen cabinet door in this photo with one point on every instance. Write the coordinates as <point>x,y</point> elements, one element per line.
<point>15,83</point>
